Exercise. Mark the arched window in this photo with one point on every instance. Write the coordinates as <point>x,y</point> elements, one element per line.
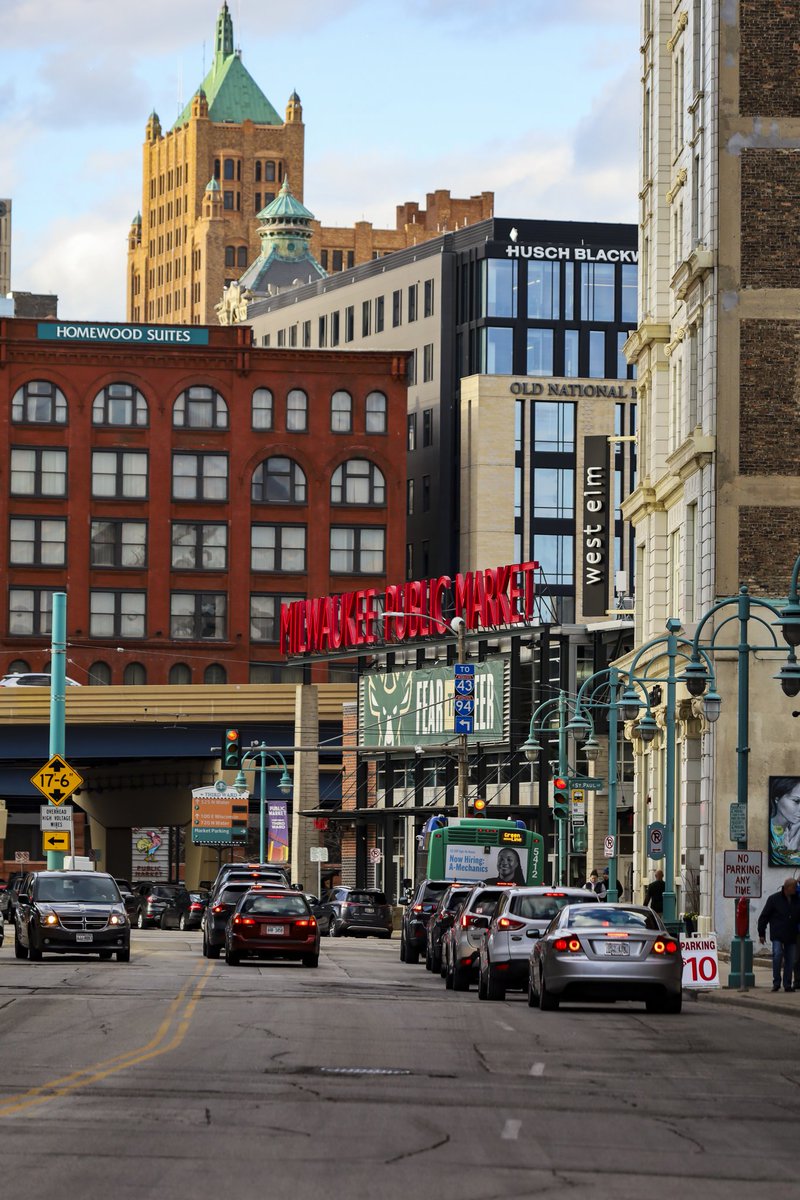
<point>134,675</point>
<point>262,409</point>
<point>279,480</point>
<point>215,673</point>
<point>99,674</point>
<point>119,404</point>
<point>180,673</point>
<point>341,412</point>
<point>18,667</point>
<point>358,481</point>
<point>230,256</point>
<point>200,408</point>
<point>41,402</point>
<point>297,411</point>
<point>258,171</point>
<point>376,413</point>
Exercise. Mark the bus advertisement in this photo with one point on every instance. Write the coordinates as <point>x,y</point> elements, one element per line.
<point>483,851</point>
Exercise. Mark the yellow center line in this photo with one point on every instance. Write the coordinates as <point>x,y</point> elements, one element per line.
<point>66,1084</point>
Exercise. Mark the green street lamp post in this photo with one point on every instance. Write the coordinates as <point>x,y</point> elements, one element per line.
<point>256,759</point>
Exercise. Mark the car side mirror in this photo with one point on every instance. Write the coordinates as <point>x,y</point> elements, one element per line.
<point>404,900</point>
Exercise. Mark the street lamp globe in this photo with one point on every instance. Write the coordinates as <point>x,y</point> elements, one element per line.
<point>695,676</point>
<point>285,782</point>
<point>531,749</point>
<point>630,703</point>
<point>789,676</point>
<point>240,782</point>
<point>591,749</point>
<point>790,623</point>
<point>711,706</point>
<point>579,727</point>
<point>647,728</point>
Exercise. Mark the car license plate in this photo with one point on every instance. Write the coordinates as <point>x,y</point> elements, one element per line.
<point>368,911</point>
<point>618,949</point>
<point>84,937</point>
<point>272,930</point>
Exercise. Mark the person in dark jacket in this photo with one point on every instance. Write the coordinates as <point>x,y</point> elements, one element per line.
<point>782,914</point>
<point>654,893</point>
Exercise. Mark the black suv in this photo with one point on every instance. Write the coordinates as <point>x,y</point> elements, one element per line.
<point>440,921</point>
<point>417,911</point>
<point>151,899</point>
<point>71,912</point>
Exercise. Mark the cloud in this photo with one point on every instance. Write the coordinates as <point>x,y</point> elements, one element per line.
<point>81,260</point>
<point>523,14</point>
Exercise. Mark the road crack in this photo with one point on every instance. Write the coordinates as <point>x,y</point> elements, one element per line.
<point>413,1153</point>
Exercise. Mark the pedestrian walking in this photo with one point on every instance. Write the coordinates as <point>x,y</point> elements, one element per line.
<point>654,893</point>
<point>601,887</point>
<point>620,887</point>
<point>782,914</point>
<point>591,882</point>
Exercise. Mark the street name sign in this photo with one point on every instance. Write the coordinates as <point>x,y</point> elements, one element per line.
<point>742,874</point>
<point>55,818</point>
<point>60,841</point>
<point>57,780</point>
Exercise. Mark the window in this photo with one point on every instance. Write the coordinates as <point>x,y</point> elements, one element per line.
<point>571,347</point>
<point>349,323</point>
<point>497,351</point>
<point>118,544</point>
<point>200,408</point>
<point>358,481</point>
<point>427,363</point>
<point>341,412</point>
<point>629,293</point>
<point>544,280</point>
<point>37,542</point>
<point>199,476</point>
<point>215,673</point>
<point>597,354</point>
<point>397,308</point>
<point>39,402</point>
<point>337,260</point>
<point>597,291</point>
<point>117,614</point>
<point>335,328</point>
<point>539,351</point>
<point>411,438</point>
<point>409,560</point>
<point>119,474</point>
<point>134,675</point>
<point>323,332</point>
<point>410,497</point>
<point>554,552</point>
<point>278,480</point>
<point>499,291</point>
<point>554,428</point>
<point>297,411</point>
<point>357,550</point>
<point>426,493</point>
<point>366,318</point>
<point>199,547</point>
<point>99,675</point>
<point>241,256</point>
<point>269,172</point>
<point>427,427</point>
<point>306,335</point>
<point>379,314</point>
<point>265,616</point>
<point>376,413</point>
<point>323,258</point>
<point>228,170</point>
<point>180,673</point>
<point>262,409</point>
<point>30,612</point>
<point>227,200</point>
<point>428,300</point>
<point>38,472</point>
<point>413,301</point>
<point>258,171</point>
<point>553,493</point>
<point>622,362</point>
<point>230,256</point>
<point>278,548</point>
<point>198,616</point>
<point>412,367</point>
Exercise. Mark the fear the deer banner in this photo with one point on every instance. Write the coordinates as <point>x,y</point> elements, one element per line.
<point>415,708</point>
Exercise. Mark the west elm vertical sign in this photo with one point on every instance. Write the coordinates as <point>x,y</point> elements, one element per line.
<point>596,530</point>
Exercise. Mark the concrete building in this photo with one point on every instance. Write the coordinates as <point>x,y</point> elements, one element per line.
<point>5,246</point>
<point>718,501</point>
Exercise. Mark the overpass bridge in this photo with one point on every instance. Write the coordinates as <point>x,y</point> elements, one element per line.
<point>141,751</point>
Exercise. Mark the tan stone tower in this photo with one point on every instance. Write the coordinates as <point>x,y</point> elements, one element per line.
<point>188,241</point>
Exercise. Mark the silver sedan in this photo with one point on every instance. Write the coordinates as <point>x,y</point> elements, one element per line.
<point>606,952</point>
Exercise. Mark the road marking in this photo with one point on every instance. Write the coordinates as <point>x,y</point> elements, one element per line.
<point>66,1084</point>
<point>537,1069</point>
<point>511,1131</point>
<point>508,1028</point>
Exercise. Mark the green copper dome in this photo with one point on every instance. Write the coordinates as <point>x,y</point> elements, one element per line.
<point>285,206</point>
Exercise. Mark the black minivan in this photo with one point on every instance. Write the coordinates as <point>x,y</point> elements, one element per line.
<point>71,912</point>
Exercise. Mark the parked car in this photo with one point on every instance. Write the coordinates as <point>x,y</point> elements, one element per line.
<point>150,900</point>
<point>8,898</point>
<point>71,912</point>
<point>522,915</point>
<point>220,908</point>
<point>126,891</point>
<point>321,910</point>
<point>361,911</point>
<point>268,923</point>
<point>417,911</point>
<point>440,921</point>
<point>606,952</point>
<point>32,679</point>
<point>461,942</point>
<point>185,910</point>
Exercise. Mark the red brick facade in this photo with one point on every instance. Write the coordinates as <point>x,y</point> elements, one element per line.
<point>81,485</point>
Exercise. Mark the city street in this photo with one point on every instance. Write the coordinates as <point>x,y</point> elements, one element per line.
<point>176,1076</point>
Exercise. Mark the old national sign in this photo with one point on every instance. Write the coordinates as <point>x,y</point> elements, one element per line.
<point>415,708</point>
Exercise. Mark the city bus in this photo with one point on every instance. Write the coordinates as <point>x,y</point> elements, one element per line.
<point>480,849</point>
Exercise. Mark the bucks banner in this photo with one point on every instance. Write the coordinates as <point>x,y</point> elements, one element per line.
<point>415,708</point>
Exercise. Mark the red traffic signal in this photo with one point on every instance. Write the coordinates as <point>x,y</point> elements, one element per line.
<point>560,784</point>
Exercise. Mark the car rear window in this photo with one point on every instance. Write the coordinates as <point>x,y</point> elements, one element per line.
<point>535,908</point>
<point>366,898</point>
<point>434,889</point>
<point>291,905</point>
<point>455,898</point>
<point>81,891</point>
<point>485,903</point>
<point>231,894</point>
<point>613,918</point>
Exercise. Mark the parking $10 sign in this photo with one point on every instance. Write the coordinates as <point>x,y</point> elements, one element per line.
<point>700,962</point>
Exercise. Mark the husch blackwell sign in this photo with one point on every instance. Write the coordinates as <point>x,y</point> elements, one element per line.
<point>137,335</point>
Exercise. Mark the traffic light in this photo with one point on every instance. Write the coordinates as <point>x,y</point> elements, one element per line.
<point>580,839</point>
<point>559,794</point>
<point>232,750</point>
<point>477,807</point>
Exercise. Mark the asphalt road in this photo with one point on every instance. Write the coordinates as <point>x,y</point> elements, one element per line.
<point>176,1077</point>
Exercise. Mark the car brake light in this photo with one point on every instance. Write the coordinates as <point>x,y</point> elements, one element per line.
<point>572,946</point>
<point>194,907</point>
<point>306,922</point>
<point>616,933</point>
<point>237,920</point>
<point>661,947</point>
<point>561,895</point>
<point>220,908</point>
<point>507,923</point>
<point>468,919</point>
<point>417,908</point>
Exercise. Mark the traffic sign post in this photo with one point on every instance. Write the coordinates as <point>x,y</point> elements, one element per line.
<point>319,855</point>
<point>741,881</point>
<point>56,819</point>
<point>58,842</point>
<point>57,780</point>
<point>655,839</point>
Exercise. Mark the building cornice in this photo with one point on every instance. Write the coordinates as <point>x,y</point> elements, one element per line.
<point>648,334</point>
<point>696,452</point>
<point>699,263</point>
<point>641,503</point>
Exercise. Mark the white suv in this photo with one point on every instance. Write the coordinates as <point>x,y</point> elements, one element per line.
<point>33,679</point>
<point>521,918</point>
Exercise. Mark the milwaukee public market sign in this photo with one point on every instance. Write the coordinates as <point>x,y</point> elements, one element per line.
<point>490,599</point>
<point>415,707</point>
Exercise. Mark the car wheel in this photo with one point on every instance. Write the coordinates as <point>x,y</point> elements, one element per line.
<point>140,921</point>
<point>124,955</point>
<point>105,955</point>
<point>182,923</point>
<point>482,986</point>
<point>214,951</point>
<point>428,960</point>
<point>310,960</point>
<point>460,979</point>
<point>387,935</point>
<point>231,957</point>
<point>547,1001</point>
<point>162,924</point>
<point>495,990</point>
<point>20,951</point>
<point>402,948</point>
<point>412,956</point>
<point>205,946</point>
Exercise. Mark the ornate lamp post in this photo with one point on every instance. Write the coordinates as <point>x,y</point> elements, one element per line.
<point>255,759</point>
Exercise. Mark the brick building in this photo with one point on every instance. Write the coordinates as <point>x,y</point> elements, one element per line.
<point>177,484</point>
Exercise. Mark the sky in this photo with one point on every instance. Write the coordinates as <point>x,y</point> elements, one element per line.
<point>535,100</point>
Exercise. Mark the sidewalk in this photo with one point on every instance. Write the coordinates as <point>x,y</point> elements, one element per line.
<point>759,997</point>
